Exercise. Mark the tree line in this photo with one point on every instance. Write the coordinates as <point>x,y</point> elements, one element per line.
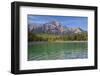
<point>49,37</point>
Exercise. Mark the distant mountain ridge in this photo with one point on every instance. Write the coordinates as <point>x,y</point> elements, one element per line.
<point>53,27</point>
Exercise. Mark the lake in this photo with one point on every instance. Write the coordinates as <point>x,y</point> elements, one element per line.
<point>55,51</point>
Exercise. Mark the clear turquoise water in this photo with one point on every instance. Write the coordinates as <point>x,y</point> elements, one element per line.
<point>53,51</point>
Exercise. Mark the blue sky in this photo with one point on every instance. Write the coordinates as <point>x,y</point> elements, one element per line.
<point>69,21</point>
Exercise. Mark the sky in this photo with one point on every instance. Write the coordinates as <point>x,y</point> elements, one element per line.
<point>69,21</point>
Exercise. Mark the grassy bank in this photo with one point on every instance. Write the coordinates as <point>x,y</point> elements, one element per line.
<point>45,42</point>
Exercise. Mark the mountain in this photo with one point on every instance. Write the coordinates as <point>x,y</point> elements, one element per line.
<point>53,27</point>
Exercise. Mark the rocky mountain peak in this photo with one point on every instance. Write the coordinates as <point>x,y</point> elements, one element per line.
<point>56,23</point>
<point>78,30</point>
<point>54,27</point>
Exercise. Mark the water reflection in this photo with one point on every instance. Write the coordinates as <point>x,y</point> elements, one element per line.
<point>53,51</point>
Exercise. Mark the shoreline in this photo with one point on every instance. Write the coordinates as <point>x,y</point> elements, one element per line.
<point>45,42</point>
